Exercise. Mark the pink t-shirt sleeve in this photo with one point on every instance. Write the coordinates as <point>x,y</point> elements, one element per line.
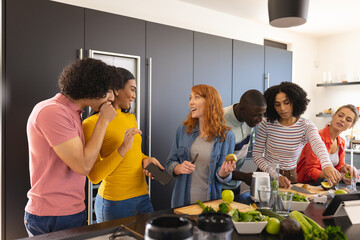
<point>56,125</point>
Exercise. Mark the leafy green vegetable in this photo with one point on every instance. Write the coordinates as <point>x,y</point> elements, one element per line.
<point>250,216</point>
<point>274,184</point>
<point>206,209</point>
<point>335,233</point>
<point>297,197</point>
<point>313,231</point>
<point>224,208</point>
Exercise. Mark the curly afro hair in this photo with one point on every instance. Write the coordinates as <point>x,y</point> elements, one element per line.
<point>296,95</point>
<point>87,78</point>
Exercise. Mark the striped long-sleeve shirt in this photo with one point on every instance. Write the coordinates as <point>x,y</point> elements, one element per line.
<point>283,144</point>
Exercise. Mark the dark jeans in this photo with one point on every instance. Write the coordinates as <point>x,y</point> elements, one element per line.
<point>36,225</point>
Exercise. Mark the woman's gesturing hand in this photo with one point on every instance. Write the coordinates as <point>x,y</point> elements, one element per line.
<point>128,140</point>
<point>184,168</point>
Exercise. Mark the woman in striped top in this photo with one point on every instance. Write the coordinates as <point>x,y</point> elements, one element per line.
<point>283,134</point>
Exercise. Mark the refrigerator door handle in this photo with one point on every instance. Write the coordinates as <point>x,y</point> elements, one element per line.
<point>149,68</point>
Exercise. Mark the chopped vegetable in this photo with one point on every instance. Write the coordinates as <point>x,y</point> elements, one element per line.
<point>224,208</point>
<point>250,216</point>
<point>297,197</point>
<point>206,209</point>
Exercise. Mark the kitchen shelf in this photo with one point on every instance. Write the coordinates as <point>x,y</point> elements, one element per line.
<point>337,84</point>
<point>324,115</point>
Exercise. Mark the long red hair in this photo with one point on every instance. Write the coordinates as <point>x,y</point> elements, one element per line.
<point>214,124</point>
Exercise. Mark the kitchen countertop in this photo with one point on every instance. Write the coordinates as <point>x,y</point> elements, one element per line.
<point>137,223</point>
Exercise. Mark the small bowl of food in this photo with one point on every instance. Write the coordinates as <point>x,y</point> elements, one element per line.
<point>249,227</point>
<point>299,203</point>
<point>250,222</point>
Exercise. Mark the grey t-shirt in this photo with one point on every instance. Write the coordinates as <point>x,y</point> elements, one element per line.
<point>200,177</point>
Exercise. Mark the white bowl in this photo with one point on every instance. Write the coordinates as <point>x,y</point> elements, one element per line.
<point>297,206</point>
<point>249,227</point>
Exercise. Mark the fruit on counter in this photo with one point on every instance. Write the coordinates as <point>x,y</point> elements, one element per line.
<point>227,196</point>
<point>231,157</point>
<point>340,191</point>
<point>273,226</point>
<point>290,227</point>
<point>326,186</point>
<point>306,186</point>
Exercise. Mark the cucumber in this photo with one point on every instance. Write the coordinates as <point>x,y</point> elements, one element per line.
<point>269,213</point>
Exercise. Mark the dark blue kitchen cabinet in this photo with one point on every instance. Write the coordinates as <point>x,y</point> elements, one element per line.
<point>41,37</point>
<point>213,63</point>
<point>171,53</point>
<point>278,66</point>
<point>248,68</point>
<point>118,34</point>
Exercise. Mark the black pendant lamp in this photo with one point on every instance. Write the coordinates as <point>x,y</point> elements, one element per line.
<point>287,13</point>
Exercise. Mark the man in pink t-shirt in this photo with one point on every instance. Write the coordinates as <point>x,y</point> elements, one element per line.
<point>59,157</point>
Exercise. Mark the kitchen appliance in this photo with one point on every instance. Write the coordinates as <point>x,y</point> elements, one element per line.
<point>259,179</point>
<point>169,227</point>
<point>214,226</point>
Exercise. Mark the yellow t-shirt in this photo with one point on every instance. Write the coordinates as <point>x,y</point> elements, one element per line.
<point>122,178</point>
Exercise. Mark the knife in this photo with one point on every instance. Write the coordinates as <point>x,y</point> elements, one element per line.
<point>194,160</point>
<point>300,189</point>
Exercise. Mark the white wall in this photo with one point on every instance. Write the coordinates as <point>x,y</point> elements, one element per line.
<point>339,55</point>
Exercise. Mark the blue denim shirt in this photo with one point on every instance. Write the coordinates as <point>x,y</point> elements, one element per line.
<point>180,151</point>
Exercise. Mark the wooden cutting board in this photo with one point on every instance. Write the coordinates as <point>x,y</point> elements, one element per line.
<point>195,209</point>
<point>313,190</point>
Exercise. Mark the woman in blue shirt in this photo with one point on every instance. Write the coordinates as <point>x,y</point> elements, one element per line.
<point>205,138</point>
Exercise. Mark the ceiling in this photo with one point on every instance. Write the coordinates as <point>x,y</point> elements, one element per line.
<point>325,17</point>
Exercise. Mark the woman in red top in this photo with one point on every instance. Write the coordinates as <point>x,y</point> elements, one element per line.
<point>309,168</point>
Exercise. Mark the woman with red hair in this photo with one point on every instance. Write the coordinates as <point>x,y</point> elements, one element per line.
<point>203,137</point>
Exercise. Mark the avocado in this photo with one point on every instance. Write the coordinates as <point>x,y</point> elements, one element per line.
<point>290,227</point>
<point>326,186</point>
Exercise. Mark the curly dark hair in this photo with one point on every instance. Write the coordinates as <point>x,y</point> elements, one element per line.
<point>296,95</point>
<point>87,78</point>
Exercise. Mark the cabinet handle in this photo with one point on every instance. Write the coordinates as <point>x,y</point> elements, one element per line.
<point>268,80</point>
<point>81,53</point>
<point>149,68</point>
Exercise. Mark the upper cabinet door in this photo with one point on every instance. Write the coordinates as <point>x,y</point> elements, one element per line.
<point>40,38</point>
<point>248,68</point>
<point>213,63</point>
<point>171,53</point>
<point>118,34</point>
<point>278,66</point>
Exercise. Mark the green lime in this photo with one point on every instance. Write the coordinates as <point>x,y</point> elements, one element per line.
<point>347,175</point>
<point>227,196</point>
<point>340,191</point>
<point>273,226</point>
